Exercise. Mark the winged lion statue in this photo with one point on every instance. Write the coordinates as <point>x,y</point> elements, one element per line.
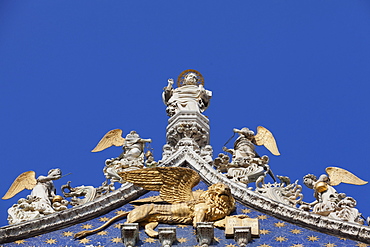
<point>179,204</point>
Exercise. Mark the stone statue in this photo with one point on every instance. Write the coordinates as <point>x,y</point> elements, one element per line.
<point>167,152</point>
<point>150,160</point>
<point>246,165</point>
<point>328,201</point>
<point>132,156</point>
<point>190,94</point>
<point>82,194</point>
<point>179,204</point>
<point>206,153</point>
<point>41,201</point>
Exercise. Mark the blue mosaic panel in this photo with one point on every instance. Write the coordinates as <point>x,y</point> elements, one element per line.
<point>273,233</point>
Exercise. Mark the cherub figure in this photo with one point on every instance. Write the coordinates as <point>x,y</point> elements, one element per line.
<point>190,94</point>
<point>42,200</point>
<point>328,201</point>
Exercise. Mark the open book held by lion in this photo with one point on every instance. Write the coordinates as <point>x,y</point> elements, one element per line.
<point>178,204</point>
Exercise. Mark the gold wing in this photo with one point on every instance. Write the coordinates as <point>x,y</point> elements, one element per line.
<point>338,175</point>
<point>26,180</point>
<point>173,183</point>
<point>113,137</point>
<point>265,137</point>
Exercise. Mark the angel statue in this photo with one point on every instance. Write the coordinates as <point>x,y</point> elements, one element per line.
<point>246,165</point>
<point>328,201</point>
<point>189,95</point>
<point>41,201</point>
<point>176,204</point>
<point>132,156</point>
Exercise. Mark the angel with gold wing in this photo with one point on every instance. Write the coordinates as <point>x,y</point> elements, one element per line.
<point>132,156</point>
<point>41,201</point>
<point>246,165</point>
<point>328,201</point>
<point>178,204</point>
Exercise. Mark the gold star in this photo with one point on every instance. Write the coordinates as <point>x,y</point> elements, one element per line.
<point>344,239</point>
<point>87,226</point>
<point>182,226</point>
<point>102,233</point>
<point>194,232</point>
<point>361,245</point>
<point>246,211</point>
<point>103,219</point>
<point>295,231</point>
<point>297,245</point>
<point>280,224</point>
<point>182,240</point>
<point>262,217</point>
<point>116,240</point>
<point>67,234</point>
<point>118,225</point>
<point>264,245</point>
<point>313,238</point>
<point>281,239</point>
<point>231,245</point>
<point>330,245</point>
<point>150,240</point>
<point>20,241</point>
<point>216,239</point>
<point>120,212</point>
<point>51,241</point>
<point>84,241</point>
<point>264,231</point>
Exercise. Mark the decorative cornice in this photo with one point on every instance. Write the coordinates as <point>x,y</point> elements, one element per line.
<point>185,156</point>
<point>72,216</point>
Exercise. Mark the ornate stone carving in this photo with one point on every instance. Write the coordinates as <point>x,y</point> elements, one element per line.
<point>131,158</point>
<point>246,165</point>
<point>42,200</point>
<point>328,201</point>
<point>189,96</point>
<point>284,192</point>
<point>88,193</point>
<point>130,234</point>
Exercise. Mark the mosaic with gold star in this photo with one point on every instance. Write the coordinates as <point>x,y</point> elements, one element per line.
<point>273,232</point>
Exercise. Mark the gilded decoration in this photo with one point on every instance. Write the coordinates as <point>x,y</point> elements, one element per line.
<point>197,205</point>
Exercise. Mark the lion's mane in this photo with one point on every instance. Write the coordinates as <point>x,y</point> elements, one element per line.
<point>219,200</point>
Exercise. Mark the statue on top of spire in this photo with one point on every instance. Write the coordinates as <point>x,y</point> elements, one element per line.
<point>189,95</point>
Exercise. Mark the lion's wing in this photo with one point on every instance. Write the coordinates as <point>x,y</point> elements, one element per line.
<point>174,183</point>
<point>178,184</point>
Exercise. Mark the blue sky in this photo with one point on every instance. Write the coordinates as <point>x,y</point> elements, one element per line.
<point>72,70</point>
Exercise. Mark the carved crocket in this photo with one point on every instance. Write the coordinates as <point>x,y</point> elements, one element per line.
<point>179,204</point>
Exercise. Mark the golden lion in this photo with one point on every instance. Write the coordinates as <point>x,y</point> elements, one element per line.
<point>182,206</point>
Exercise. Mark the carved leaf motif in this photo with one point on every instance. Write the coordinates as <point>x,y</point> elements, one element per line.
<point>26,180</point>
<point>174,183</point>
<point>113,137</point>
<point>338,175</point>
<point>265,137</point>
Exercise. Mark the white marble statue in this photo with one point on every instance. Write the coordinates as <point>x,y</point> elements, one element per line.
<point>132,157</point>
<point>189,96</point>
<point>41,201</point>
<point>328,201</point>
